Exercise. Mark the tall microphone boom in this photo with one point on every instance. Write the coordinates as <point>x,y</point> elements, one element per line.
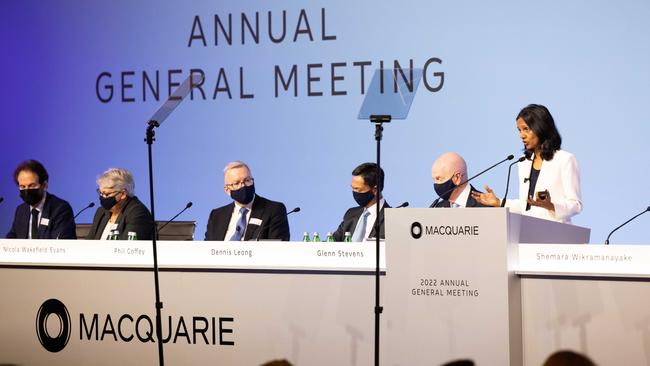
<point>503,202</point>
<point>297,209</point>
<point>404,204</point>
<point>91,204</point>
<point>625,223</point>
<point>434,203</point>
<point>188,205</point>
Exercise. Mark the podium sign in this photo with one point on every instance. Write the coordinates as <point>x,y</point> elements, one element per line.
<point>451,292</point>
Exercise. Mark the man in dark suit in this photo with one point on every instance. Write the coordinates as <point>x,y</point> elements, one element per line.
<point>359,221</point>
<point>43,215</point>
<point>448,172</point>
<point>249,216</point>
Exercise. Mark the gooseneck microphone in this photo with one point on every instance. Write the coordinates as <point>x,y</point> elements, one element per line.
<point>503,201</point>
<point>91,204</point>
<point>188,205</point>
<point>404,204</point>
<point>625,223</point>
<point>434,203</point>
<point>259,231</point>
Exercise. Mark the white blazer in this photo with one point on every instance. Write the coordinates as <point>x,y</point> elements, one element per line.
<point>561,177</point>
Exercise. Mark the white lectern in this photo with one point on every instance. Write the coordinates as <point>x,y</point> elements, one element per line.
<point>451,291</point>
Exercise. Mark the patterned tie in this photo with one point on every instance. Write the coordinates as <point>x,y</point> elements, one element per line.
<point>360,230</point>
<point>241,225</point>
<point>34,223</point>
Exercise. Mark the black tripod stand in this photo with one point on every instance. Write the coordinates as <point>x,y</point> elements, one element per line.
<point>378,120</point>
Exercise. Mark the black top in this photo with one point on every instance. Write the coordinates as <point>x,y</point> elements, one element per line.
<point>135,217</point>
<point>532,182</point>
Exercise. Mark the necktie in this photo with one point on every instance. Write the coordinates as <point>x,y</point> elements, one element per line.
<point>241,225</point>
<point>34,223</point>
<point>360,230</point>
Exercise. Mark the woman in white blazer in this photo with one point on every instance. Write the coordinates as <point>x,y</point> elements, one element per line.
<point>549,178</point>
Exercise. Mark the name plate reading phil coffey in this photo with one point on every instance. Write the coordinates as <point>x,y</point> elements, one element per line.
<point>183,254</point>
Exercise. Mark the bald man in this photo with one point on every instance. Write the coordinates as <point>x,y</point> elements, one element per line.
<point>448,172</point>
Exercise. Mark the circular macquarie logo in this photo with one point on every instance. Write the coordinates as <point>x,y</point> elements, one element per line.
<point>53,325</point>
<point>416,230</point>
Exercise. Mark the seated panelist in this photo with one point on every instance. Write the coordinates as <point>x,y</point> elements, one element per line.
<point>449,174</point>
<point>359,221</point>
<point>119,208</point>
<point>249,216</point>
<point>42,215</point>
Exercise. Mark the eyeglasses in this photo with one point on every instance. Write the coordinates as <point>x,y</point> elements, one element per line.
<point>248,181</point>
<point>109,194</point>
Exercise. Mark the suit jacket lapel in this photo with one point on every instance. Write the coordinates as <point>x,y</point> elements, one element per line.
<point>256,213</point>
<point>45,214</point>
<point>221,226</point>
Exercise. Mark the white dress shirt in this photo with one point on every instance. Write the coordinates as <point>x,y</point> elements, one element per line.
<point>461,200</point>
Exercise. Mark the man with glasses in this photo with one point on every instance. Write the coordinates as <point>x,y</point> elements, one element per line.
<point>42,215</point>
<point>249,216</point>
<point>120,210</point>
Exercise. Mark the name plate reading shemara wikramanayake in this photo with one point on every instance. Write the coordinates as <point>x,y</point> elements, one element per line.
<point>584,260</point>
<point>183,254</point>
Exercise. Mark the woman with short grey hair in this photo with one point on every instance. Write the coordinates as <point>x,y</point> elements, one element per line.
<point>120,211</point>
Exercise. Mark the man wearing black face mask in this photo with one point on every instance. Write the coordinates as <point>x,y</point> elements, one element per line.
<point>43,215</point>
<point>366,188</point>
<point>249,216</point>
<point>447,172</point>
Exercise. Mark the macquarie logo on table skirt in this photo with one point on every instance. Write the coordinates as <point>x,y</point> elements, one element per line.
<point>418,230</point>
<point>54,326</point>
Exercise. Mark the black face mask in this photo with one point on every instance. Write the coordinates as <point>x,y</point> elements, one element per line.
<point>107,202</point>
<point>363,198</point>
<point>445,189</point>
<point>243,195</point>
<point>31,196</point>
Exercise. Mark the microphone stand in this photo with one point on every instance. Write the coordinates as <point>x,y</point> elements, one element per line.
<point>149,140</point>
<point>625,223</point>
<point>378,120</point>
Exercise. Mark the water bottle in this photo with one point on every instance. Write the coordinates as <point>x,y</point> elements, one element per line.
<point>330,237</point>
<point>305,237</point>
<point>115,235</point>
<point>348,237</point>
<point>316,237</point>
<point>132,236</point>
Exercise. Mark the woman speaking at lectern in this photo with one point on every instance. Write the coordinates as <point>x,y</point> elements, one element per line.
<point>549,178</point>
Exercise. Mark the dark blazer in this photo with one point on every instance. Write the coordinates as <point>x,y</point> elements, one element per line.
<point>471,202</point>
<point>58,211</point>
<point>350,219</point>
<point>272,214</point>
<point>135,217</point>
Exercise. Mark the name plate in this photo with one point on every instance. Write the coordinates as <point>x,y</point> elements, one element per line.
<point>584,260</point>
<point>183,254</point>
